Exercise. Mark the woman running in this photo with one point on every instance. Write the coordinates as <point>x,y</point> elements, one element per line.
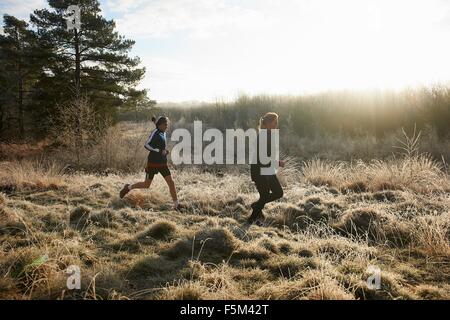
<point>157,161</point>
<point>268,186</point>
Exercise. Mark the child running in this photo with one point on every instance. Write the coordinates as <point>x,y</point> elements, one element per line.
<point>157,161</point>
<point>268,186</point>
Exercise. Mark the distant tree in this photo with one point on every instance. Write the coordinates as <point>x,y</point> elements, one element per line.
<point>19,68</point>
<point>437,110</point>
<point>138,103</point>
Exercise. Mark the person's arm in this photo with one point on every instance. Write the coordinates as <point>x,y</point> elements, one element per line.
<point>150,144</point>
<point>165,152</point>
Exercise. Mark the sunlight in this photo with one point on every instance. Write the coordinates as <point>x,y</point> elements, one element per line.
<point>305,46</point>
<point>357,44</point>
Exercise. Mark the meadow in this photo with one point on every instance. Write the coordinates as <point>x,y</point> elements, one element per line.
<point>366,182</point>
<point>337,220</point>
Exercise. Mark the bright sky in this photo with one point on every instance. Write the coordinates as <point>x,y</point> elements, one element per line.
<point>216,49</point>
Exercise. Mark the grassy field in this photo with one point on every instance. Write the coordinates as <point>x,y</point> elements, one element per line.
<point>336,220</point>
<point>361,92</point>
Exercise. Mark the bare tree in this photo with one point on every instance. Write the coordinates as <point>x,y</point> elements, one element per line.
<point>76,126</point>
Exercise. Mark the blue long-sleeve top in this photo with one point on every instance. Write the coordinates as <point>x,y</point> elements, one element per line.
<point>156,143</point>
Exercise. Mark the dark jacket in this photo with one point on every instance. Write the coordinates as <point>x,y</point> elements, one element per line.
<point>156,143</point>
<point>255,169</point>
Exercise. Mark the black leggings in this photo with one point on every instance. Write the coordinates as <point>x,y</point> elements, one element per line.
<point>269,189</point>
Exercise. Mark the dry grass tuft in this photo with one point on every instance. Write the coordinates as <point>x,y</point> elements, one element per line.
<point>391,288</point>
<point>252,255</point>
<point>429,292</point>
<point>387,196</point>
<point>37,175</point>
<point>79,217</point>
<point>360,221</point>
<point>159,230</point>
<point>417,173</point>
<point>154,267</point>
<point>2,199</point>
<point>323,173</point>
<point>354,186</point>
<point>286,214</point>
<point>213,245</point>
<point>377,226</point>
<point>289,266</point>
<point>432,233</point>
<point>313,284</point>
<point>104,218</point>
<point>184,291</point>
<point>10,223</point>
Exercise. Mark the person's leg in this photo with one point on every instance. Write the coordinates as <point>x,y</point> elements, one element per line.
<point>172,189</point>
<point>264,194</point>
<point>269,189</point>
<point>276,191</point>
<point>257,206</point>
<point>149,175</point>
<point>139,185</point>
<point>165,172</point>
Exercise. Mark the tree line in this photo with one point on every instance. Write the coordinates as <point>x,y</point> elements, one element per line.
<point>375,113</point>
<point>46,68</point>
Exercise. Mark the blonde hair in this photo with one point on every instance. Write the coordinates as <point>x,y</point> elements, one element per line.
<point>266,119</point>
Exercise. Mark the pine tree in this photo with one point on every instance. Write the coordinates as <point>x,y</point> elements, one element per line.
<point>93,61</point>
<point>18,72</point>
<point>139,103</point>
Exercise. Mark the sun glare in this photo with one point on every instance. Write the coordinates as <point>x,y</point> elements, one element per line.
<point>300,46</point>
<point>354,44</point>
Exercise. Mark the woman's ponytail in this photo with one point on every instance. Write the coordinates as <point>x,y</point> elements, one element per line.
<point>261,123</point>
